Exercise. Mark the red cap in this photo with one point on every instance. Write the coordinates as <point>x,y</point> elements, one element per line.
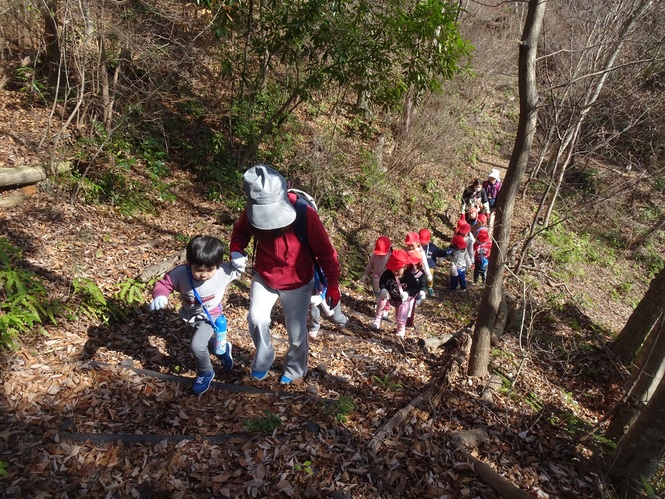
<point>425,236</point>
<point>483,236</point>
<point>382,246</point>
<point>412,238</point>
<point>397,260</point>
<point>482,218</point>
<point>463,227</point>
<point>459,242</point>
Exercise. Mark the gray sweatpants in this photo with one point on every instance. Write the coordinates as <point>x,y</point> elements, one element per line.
<point>295,303</point>
<point>202,344</point>
<point>315,317</point>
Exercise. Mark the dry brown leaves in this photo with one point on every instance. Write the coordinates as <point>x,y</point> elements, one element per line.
<point>74,427</point>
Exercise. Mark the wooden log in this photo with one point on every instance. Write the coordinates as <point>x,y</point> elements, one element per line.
<point>502,486</point>
<point>161,268</point>
<point>438,341</point>
<point>24,175</point>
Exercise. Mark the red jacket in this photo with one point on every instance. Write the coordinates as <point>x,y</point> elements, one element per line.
<point>280,259</point>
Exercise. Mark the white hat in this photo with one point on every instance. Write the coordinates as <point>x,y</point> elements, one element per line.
<point>495,174</point>
<point>268,205</point>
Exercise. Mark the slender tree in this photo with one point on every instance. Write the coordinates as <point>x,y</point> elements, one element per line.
<point>646,376</point>
<point>639,452</point>
<point>594,55</point>
<point>641,321</point>
<point>493,294</point>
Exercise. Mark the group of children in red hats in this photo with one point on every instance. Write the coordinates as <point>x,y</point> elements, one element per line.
<point>401,278</point>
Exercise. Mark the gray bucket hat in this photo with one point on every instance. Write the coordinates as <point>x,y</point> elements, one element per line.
<point>268,205</point>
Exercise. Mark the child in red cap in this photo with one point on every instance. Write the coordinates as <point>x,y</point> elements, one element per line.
<point>432,252</point>
<point>417,270</point>
<point>399,288</point>
<point>377,265</point>
<point>460,261</point>
<point>412,242</point>
<point>377,262</point>
<point>481,254</point>
<point>464,230</point>
<point>471,218</point>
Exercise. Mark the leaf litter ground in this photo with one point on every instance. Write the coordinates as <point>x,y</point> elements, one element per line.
<point>91,410</point>
<point>105,411</point>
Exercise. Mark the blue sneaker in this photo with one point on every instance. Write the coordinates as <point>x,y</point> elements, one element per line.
<point>259,375</point>
<point>227,358</point>
<point>202,383</point>
<point>285,380</point>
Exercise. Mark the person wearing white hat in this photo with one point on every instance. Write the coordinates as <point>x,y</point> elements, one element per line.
<point>492,186</point>
<point>283,268</point>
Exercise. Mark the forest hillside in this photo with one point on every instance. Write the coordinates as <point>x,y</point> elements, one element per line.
<point>126,127</point>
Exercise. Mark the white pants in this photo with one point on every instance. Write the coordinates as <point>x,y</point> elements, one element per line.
<point>295,303</point>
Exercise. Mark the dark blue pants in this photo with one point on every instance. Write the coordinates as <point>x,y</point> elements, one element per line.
<point>460,279</point>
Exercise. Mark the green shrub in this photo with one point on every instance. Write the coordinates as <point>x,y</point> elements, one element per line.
<point>340,408</point>
<point>93,303</point>
<point>24,300</point>
<point>266,424</point>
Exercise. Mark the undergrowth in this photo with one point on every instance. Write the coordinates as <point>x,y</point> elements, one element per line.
<point>24,300</point>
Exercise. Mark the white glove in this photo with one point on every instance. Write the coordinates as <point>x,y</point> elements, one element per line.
<point>384,294</point>
<point>316,299</point>
<point>404,295</point>
<point>421,295</point>
<point>159,302</point>
<point>239,261</point>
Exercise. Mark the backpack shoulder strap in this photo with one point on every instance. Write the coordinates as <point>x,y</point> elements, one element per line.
<point>300,224</point>
<point>300,228</point>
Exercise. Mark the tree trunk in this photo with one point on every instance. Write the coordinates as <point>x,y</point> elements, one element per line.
<point>639,452</point>
<point>641,321</point>
<point>491,300</point>
<point>646,376</point>
<point>51,41</point>
<point>650,364</point>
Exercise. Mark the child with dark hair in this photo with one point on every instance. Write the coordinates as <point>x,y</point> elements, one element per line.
<point>201,283</point>
<point>318,302</point>
<point>474,196</point>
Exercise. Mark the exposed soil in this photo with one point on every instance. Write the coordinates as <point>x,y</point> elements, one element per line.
<point>96,410</point>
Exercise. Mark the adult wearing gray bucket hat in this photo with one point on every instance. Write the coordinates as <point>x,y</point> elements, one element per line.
<point>283,268</point>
